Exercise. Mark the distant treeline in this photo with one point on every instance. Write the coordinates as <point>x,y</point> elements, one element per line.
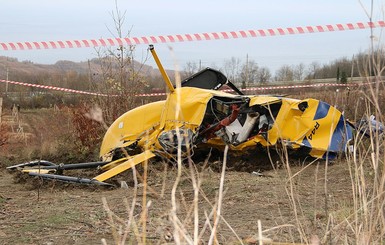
<point>102,75</point>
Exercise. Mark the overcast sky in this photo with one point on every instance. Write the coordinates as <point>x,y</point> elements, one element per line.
<point>53,20</point>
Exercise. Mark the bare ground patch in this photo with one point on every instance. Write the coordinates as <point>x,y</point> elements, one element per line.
<point>40,213</point>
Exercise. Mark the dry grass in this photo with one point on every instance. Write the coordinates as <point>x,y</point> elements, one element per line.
<point>313,202</point>
<point>355,217</point>
<point>197,208</point>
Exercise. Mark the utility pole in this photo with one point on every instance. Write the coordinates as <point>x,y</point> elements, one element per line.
<point>6,84</point>
<point>1,108</point>
<point>247,69</point>
<point>351,74</point>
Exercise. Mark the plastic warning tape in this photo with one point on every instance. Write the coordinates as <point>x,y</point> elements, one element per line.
<point>52,88</point>
<point>305,86</point>
<point>163,94</point>
<point>317,85</point>
<point>188,37</point>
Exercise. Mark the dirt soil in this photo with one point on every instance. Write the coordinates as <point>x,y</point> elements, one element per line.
<point>288,200</point>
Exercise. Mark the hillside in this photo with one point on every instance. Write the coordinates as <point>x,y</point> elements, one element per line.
<point>17,69</point>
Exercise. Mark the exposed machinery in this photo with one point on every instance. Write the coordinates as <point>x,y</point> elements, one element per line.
<point>198,114</point>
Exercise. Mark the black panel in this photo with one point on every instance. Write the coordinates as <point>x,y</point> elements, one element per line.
<point>209,79</point>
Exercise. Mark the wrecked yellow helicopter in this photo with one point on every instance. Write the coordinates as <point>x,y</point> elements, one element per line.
<point>198,115</point>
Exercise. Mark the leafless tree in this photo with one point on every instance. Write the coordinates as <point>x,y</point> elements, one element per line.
<point>264,75</point>
<point>232,69</point>
<point>313,68</point>
<point>284,73</point>
<point>118,74</point>
<point>190,69</point>
<point>299,72</point>
<point>249,72</point>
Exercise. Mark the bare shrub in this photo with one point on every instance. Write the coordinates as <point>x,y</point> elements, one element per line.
<point>4,135</point>
<point>88,131</point>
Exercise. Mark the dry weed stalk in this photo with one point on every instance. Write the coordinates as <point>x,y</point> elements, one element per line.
<point>365,222</point>
<point>4,134</point>
<point>181,234</point>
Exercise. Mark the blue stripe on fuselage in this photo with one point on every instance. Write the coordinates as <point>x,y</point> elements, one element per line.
<point>322,110</point>
<point>341,135</point>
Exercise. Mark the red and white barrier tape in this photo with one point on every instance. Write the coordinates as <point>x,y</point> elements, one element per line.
<point>52,88</point>
<point>317,85</point>
<point>163,94</point>
<point>188,37</point>
<point>306,86</point>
